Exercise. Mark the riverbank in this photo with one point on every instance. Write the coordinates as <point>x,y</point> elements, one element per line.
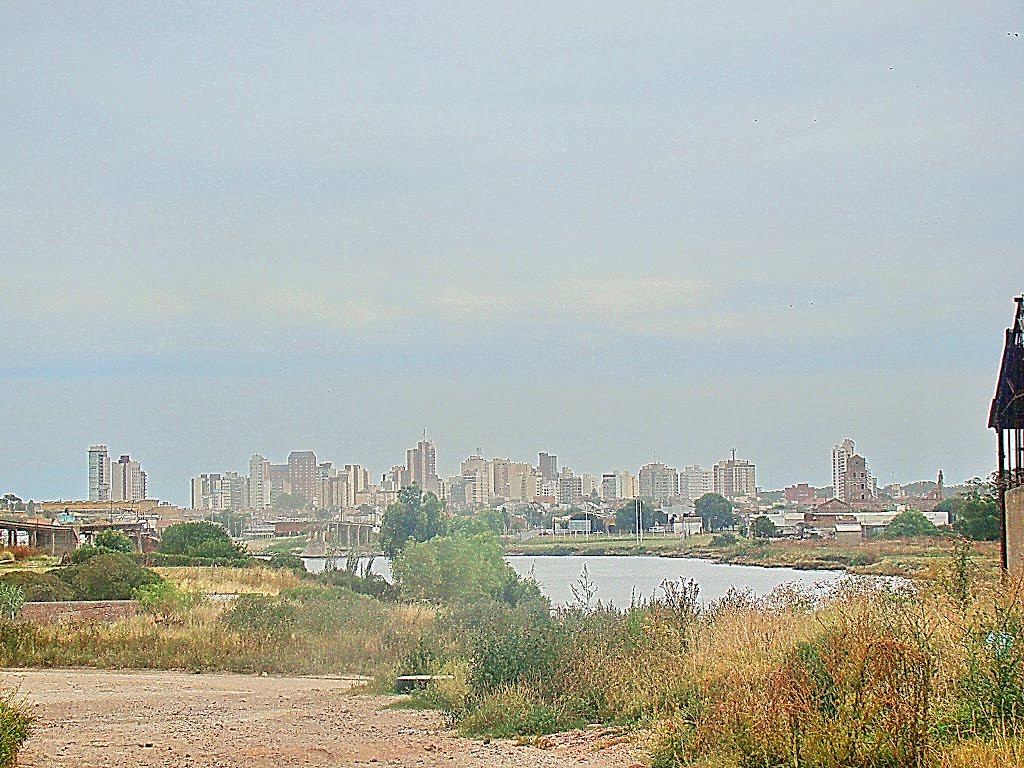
<point>926,558</point>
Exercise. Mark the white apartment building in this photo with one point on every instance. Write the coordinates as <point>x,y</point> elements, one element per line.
<point>735,478</point>
<point>658,481</point>
<point>127,480</point>
<point>695,481</point>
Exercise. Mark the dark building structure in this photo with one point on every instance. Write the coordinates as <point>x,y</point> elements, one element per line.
<point>1006,417</point>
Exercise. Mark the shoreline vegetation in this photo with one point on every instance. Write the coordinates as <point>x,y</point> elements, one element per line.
<point>871,673</point>
<point>914,558</point>
<point>923,558</point>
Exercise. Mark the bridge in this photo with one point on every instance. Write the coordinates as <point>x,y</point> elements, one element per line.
<point>57,540</point>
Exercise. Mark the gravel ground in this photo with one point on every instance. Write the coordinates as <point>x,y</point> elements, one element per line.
<point>118,719</point>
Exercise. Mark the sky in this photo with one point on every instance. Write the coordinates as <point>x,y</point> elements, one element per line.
<point>609,231</point>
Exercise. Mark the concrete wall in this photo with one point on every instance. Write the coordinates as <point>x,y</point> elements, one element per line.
<point>1015,529</point>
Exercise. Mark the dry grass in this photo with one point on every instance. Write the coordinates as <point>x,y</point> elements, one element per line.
<point>231,581</point>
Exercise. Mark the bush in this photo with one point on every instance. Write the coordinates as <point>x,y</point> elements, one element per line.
<point>11,600</point>
<point>15,728</point>
<point>199,540</point>
<point>288,561</point>
<point>459,570</point>
<point>112,541</point>
<point>39,587</point>
<point>726,539</point>
<point>107,577</point>
<point>165,601</point>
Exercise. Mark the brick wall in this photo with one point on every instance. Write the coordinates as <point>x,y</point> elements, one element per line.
<point>79,610</point>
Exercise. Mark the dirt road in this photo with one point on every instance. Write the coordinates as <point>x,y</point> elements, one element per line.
<point>89,718</point>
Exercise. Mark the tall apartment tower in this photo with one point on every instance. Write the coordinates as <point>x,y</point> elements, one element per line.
<point>735,478</point>
<point>695,481</point>
<point>127,480</point>
<point>421,466</point>
<point>99,473</point>
<point>658,481</point>
<point>259,482</point>
<point>547,464</point>
<point>851,480</point>
<point>302,474</point>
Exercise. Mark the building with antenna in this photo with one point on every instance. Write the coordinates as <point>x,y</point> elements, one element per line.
<point>735,478</point>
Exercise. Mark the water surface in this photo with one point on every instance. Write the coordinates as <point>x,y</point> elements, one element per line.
<point>618,579</point>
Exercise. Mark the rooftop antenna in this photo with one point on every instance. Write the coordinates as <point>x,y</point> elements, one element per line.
<point>734,454</point>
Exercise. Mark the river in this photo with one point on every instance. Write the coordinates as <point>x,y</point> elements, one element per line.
<point>619,579</point>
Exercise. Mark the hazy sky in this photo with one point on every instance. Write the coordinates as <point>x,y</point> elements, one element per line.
<point>609,231</point>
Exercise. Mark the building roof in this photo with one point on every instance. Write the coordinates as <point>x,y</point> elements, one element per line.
<point>1008,404</point>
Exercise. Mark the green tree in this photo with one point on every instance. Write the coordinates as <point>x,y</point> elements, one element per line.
<point>910,524</point>
<point>978,519</point>
<point>199,540</point>
<point>763,528</point>
<point>107,577</point>
<point>459,570</point>
<point>416,516</point>
<point>112,541</point>
<point>716,512</point>
<point>625,517</point>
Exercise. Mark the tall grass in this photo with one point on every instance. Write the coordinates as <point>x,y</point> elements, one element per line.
<point>870,675</point>
<point>311,631</point>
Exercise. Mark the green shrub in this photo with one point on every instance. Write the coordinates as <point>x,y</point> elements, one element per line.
<point>288,561</point>
<point>83,553</point>
<point>107,577</point>
<point>112,541</point>
<point>165,601</point>
<point>39,587</point>
<point>11,600</point>
<point>517,710</point>
<point>199,540</point>
<point>15,728</point>
<point>726,539</point>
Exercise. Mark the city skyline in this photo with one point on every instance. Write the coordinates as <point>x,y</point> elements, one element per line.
<point>302,465</point>
<point>618,232</point>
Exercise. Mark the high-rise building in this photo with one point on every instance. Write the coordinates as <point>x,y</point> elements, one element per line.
<point>570,488</point>
<point>279,483</point>
<point>851,480</point>
<point>219,492</point>
<point>99,473</point>
<point>547,464</point>
<point>302,474</point>
<point>620,484</point>
<point>259,482</point>
<point>735,478</point>
<point>658,481</point>
<point>695,481</point>
<point>127,480</point>
<point>421,467</point>
<point>523,481</point>
<point>478,480</point>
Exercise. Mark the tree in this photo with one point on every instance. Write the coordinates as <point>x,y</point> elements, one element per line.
<point>716,512</point>
<point>107,577</point>
<point>910,524</point>
<point>763,528</point>
<point>416,516</point>
<point>625,517</point>
<point>459,570</point>
<point>978,519</point>
<point>112,541</point>
<point>199,540</point>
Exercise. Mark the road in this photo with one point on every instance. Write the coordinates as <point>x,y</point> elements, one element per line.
<point>157,719</point>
